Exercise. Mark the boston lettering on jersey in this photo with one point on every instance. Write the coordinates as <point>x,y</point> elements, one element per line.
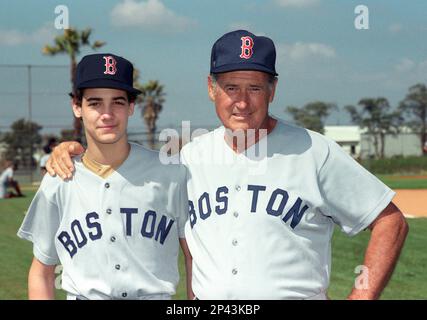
<point>77,236</point>
<point>275,207</point>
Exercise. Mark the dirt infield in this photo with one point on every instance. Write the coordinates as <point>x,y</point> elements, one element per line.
<point>413,203</point>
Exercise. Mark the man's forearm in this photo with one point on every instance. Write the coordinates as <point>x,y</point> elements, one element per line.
<point>189,274</point>
<point>41,282</point>
<point>381,256</point>
<point>188,267</point>
<point>41,288</point>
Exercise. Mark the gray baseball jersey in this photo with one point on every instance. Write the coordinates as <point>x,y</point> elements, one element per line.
<point>115,237</point>
<point>260,225</point>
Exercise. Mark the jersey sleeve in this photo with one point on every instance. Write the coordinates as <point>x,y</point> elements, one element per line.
<point>41,224</point>
<point>351,195</point>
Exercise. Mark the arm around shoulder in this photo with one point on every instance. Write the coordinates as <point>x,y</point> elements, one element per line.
<point>60,160</point>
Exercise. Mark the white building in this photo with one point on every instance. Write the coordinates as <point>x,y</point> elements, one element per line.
<point>357,143</point>
<point>348,137</point>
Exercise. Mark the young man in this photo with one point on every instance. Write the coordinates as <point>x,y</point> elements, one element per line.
<point>7,181</point>
<point>260,226</point>
<point>115,225</point>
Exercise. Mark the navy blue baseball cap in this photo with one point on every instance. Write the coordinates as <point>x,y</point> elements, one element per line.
<point>242,50</point>
<point>105,70</point>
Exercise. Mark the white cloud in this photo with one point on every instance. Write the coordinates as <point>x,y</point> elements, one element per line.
<point>408,67</point>
<point>151,14</point>
<point>11,37</point>
<point>423,66</point>
<point>300,51</point>
<point>46,33</point>
<point>297,3</point>
<point>406,72</point>
<point>15,37</point>
<point>240,25</point>
<point>245,26</point>
<point>374,77</point>
<point>405,65</point>
<point>395,28</point>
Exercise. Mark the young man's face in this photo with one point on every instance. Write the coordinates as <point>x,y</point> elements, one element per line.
<point>241,99</point>
<point>105,114</point>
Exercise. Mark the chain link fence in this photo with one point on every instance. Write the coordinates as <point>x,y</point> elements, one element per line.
<point>39,94</point>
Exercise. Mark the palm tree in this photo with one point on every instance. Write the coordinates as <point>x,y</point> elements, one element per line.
<point>70,43</point>
<point>151,102</point>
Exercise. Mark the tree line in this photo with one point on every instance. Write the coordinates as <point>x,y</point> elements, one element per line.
<point>25,136</point>
<point>373,114</point>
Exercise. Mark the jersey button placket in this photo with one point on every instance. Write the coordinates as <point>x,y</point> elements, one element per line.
<point>105,197</point>
<point>240,196</point>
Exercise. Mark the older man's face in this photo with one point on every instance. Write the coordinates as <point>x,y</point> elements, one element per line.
<point>105,114</point>
<point>241,99</point>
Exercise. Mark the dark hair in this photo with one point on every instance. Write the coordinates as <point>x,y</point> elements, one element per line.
<point>77,96</point>
<point>50,143</point>
<point>47,149</point>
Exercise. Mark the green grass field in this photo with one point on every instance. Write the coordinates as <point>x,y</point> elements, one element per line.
<point>407,282</point>
<point>396,182</point>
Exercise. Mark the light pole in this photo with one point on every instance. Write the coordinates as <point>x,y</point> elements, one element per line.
<point>30,118</point>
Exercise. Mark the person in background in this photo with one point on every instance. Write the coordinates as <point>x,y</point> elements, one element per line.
<point>47,150</point>
<point>7,181</point>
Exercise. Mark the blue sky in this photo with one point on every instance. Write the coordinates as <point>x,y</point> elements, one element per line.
<point>321,56</point>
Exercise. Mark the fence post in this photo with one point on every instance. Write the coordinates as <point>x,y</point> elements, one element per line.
<point>30,119</point>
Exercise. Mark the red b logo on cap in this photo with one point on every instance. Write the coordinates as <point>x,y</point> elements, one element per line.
<point>247,45</point>
<point>110,65</point>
